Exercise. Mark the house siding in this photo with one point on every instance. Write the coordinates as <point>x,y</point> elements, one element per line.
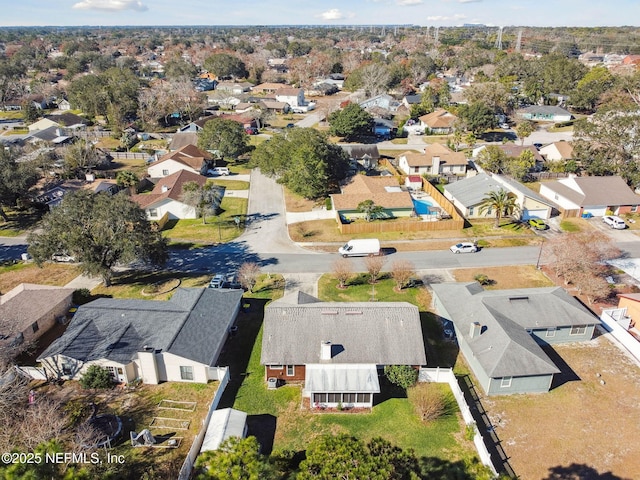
<point>47,321</point>
<point>173,208</point>
<point>156,171</point>
<point>562,335</point>
<point>172,364</point>
<point>529,384</point>
<point>632,306</point>
<point>281,374</point>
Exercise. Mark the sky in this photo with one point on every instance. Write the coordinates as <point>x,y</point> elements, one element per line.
<point>436,13</point>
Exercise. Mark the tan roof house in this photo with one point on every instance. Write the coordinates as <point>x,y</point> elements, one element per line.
<point>594,195</point>
<point>557,151</point>
<point>437,159</point>
<point>439,121</point>
<point>188,157</point>
<point>383,191</point>
<point>166,197</point>
<point>29,310</point>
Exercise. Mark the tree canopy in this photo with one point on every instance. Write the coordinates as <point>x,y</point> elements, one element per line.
<point>205,199</point>
<point>100,231</point>
<point>501,202</point>
<point>304,161</point>
<point>15,180</point>
<point>226,138</point>
<point>236,459</point>
<point>351,122</point>
<point>225,65</point>
<point>477,117</point>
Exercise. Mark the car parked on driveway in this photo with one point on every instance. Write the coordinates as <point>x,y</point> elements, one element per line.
<point>217,281</point>
<point>614,222</point>
<point>538,224</point>
<point>62,257</point>
<point>217,171</point>
<point>464,247</point>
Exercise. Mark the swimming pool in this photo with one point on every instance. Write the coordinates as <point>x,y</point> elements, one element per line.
<point>422,207</point>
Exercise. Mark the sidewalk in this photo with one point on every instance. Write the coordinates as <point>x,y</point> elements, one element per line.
<point>84,281</point>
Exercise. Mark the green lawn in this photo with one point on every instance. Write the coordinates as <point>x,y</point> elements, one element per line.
<point>139,285</point>
<point>231,184</point>
<point>221,228</point>
<point>360,290</point>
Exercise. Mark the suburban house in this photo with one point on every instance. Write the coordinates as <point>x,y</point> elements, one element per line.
<point>383,191</point>
<point>64,105</point>
<point>152,340</point>
<point>293,96</point>
<point>182,139</point>
<point>383,102</point>
<point>501,333</point>
<point>366,155</point>
<point>29,310</point>
<point>438,122</point>
<point>512,150</point>
<point>198,125</point>
<point>50,135</point>
<point>268,88</point>
<point>546,113</point>
<point>235,88</point>
<point>437,159</point>
<point>557,151</point>
<point>630,302</point>
<point>413,182</point>
<point>166,197</point>
<point>593,195</point>
<point>43,124</point>
<point>188,157</point>
<point>337,349</point>
<point>467,196</point>
<point>411,100</point>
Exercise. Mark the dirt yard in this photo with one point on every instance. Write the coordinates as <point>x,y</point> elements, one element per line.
<point>587,427</point>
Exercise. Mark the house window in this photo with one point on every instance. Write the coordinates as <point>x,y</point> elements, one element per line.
<point>276,367</point>
<point>186,373</point>
<point>470,210</point>
<point>551,332</point>
<point>334,397</point>
<point>634,208</point>
<point>363,397</point>
<point>66,369</point>
<point>112,371</point>
<point>291,371</point>
<point>416,169</point>
<point>348,398</point>
<point>505,382</point>
<point>581,330</point>
<point>319,398</point>
<point>153,212</point>
<point>556,197</point>
<point>34,327</point>
<point>165,173</point>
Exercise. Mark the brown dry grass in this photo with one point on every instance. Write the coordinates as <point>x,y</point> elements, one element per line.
<point>580,422</point>
<point>295,203</point>
<point>524,276</point>
<point>50,274</point>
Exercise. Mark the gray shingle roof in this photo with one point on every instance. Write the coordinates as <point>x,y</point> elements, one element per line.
<point>191,325</point>
<point>505,348</point>
<point>384,333</point>
<point>471,191</point>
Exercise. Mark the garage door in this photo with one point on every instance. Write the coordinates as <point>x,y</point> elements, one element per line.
<point>535,213</point>
<point>598,211</point>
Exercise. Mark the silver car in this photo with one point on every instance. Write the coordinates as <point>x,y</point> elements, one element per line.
<point>464,247</point>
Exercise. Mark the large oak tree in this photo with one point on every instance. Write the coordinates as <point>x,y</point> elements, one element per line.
<point>100,231</point>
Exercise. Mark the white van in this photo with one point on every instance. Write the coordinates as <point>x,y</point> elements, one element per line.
<point>614,222</point>
<point>217,171</point>
<point>365,247</point>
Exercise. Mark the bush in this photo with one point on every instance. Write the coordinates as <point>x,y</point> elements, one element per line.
<point>428,401</point>
<point>482,279</point>
<point>96,377</point>
<point>81,296</point>
<point>404,376</point>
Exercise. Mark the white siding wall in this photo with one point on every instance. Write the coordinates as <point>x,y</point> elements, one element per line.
<point>173,363</point>
<point>175,209</point>
<point>546,192</point>
<point>156,171</point>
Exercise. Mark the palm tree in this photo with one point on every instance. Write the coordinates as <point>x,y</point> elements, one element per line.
<point>503,202</point>
<point>127,179</point>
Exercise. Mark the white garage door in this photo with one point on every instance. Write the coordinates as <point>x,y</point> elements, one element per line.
<point>536,213</point>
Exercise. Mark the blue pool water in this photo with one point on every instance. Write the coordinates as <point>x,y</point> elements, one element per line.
<point>422,207</point>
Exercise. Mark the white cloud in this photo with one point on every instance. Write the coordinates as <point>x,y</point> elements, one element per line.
<point>111,5</point>
<point>468,1</point>
<point>333,14</point>
<point>445,18</point>
<point>405,3</point>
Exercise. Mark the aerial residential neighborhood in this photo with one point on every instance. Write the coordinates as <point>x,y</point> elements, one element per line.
<point>271,251</point>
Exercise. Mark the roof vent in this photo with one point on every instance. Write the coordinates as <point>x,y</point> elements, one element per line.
<point>476,330</point>
<point>147,348</point>
<point>165,188</point>
<point>513,299</point>
<point>325,351</point>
